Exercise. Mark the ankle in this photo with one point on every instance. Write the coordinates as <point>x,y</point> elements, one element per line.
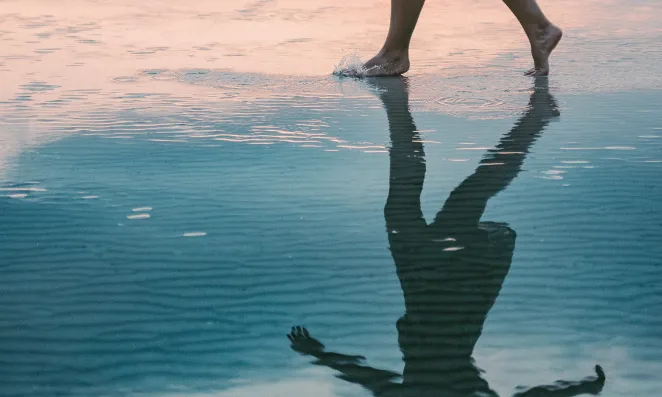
<point>537,31</point>
<point>393,53</point>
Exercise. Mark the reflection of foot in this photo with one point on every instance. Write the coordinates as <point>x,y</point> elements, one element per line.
<point>391,90</point>
<point>542,44</point>
<point>542,103</point>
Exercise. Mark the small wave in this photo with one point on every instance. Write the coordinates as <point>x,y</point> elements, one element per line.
<point>473,103</point>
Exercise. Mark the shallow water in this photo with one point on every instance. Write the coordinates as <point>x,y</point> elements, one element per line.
<point>174,198</point>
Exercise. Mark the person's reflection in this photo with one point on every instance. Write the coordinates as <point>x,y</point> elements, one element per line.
<point>451,270</point>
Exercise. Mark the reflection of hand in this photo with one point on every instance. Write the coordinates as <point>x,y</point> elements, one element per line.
<point>594,384</point>
<point>599,381</point>
<point>302,342</point>
<point>589,385</point>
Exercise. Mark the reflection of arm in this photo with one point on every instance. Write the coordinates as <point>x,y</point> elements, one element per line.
<point>498,168</point>
<point>371,378</point>
<point>589,385</point>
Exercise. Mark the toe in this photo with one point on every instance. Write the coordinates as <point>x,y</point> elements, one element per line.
<point>536,72</point>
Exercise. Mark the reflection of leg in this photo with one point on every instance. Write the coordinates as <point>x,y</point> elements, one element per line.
<point>393,58</point>
<point>501,165</point>
<point>542,34</point>
<point>407,163</point>
<point>394,94</point>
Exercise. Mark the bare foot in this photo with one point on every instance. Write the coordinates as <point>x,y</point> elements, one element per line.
<point>392,63</point>
<point>543,42</point>
<point>385,63</point>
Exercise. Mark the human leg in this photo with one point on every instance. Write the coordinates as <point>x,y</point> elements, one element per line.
<point>543,35</point>
<point>393,58</point>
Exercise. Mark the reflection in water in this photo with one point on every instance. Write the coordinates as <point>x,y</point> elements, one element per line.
<point>451,270</point>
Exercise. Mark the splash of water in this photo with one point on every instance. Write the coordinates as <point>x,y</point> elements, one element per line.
<point>350,65</point>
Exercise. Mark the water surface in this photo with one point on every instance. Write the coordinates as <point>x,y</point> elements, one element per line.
<point>174,198</point>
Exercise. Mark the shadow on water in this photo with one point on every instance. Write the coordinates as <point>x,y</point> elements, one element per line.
<point>451,270</point>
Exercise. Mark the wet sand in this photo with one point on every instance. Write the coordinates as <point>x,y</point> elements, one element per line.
<point>181,184</point>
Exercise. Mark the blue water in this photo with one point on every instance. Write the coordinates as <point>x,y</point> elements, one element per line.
<point>163,264</point>
<point>183,183</point>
